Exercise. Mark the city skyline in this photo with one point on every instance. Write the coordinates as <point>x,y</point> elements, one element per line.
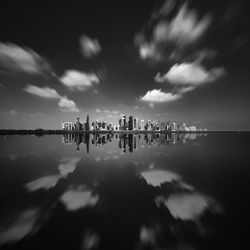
<point>169,60</point>
<point>128,123</point>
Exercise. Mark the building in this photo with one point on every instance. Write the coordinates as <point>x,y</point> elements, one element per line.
<point>67,126</point>
<point>130,123</point>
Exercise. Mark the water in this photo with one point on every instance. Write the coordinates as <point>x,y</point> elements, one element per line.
<point>124,191</point>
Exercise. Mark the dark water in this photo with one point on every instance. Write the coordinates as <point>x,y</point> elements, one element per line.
<point>125,191</point>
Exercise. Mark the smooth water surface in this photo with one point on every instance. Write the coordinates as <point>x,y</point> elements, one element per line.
<point>124,191</point>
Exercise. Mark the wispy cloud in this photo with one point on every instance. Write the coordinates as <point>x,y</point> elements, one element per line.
<point>44,92</point>
<point>64,103</point>
<point>89,47</point>
<point>182,30</point>
<point>16,58</point>
<point>77,80</point>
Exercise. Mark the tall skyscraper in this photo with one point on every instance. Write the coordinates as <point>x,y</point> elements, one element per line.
<point>87,127</point>
<point>142,127</point>
<point>130,123</point>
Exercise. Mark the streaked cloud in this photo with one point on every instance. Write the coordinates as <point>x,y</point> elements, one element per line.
<point>16,58</point>
<point>89,47</point>
<point>64,103</point>
<point>19,226</point>
<point>45,182</point>
<point>159,96</point>
<point>183,29</point>
<point>67,105</point>
<point>44,92</point>
<point>169,38</point>
<point>78,80</point>
<point>190,74</point>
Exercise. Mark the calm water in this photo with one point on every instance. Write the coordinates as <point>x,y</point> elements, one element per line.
<point>125,191</point>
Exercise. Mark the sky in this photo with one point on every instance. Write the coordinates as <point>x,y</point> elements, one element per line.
<point>173,60</point>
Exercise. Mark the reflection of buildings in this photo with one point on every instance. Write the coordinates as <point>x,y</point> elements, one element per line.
<point>128,142</point>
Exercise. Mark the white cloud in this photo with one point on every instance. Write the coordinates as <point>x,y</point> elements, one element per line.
<point>45,182</point>
<point>98,110</point>
<point>13,57</point>
<point>89,47</point>
<point>158,96</point>
<point>77,80</point>
<point>75,199</point>
<point>183,29</point>
<point>172,36</point>
<point>189,206</point>
<point>19,226</point>
<point>44,92</point>
<point>67,105</point>
<point>157,177</point>
<point>190,74</point>
<point>68,165</point>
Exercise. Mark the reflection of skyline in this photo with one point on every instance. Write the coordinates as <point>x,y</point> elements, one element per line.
<point>127,142</point>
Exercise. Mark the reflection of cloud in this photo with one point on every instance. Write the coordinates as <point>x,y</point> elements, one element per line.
<point>22,226</point>
<point>68,166</point>
<point>188,206</point>
<point>45,182</point>
<point>75,199</point>
<point>90,240</point>
<point>147,236</point>
<point>97,159</point>
<point>158,177</point>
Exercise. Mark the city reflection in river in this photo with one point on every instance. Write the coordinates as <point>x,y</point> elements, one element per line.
<point>128,142</point>
<point>122,191</point>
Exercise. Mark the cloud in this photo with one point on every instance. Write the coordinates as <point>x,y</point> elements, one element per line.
<point>68,166</point>
<point>158,96</point>
<point>67,105</point>
<point>98,110</point>
<point>44,92</point>
<point>169,38</point>
<point>64,103</point>
<point>157,177</point>
<point>20,225</point>
<point>189,206</point>
<point>89,47</point>
<point>75,199</point>
<point>45,182</point>
<point>183,29</point>
<point>190,74</point>
<point>77,80</point>
<point>15,58</point>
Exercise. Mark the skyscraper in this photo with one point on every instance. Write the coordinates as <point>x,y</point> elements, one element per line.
<point>130,123</point>
<point>87,124</point>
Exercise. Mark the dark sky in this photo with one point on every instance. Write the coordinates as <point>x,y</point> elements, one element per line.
<point>182,61</point>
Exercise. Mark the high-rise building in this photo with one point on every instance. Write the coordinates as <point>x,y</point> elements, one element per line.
<point>130,123</point>
<point>142,127</point>
<point>87,127</point>
<point>124,123</point>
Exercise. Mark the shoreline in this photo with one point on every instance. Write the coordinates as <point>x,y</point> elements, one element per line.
<point>61,132</point>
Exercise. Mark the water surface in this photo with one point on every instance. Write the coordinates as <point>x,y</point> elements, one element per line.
<point>124,191</point>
